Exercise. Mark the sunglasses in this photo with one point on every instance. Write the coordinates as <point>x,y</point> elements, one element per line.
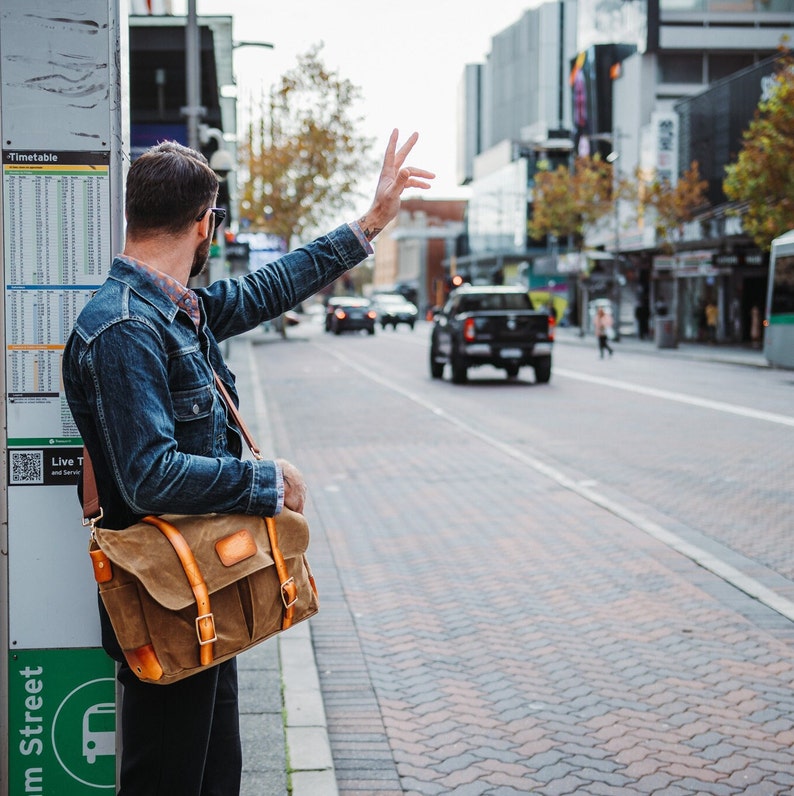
<point>218,212</point>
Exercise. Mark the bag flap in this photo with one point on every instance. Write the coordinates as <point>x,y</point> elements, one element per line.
<point>143,550</point>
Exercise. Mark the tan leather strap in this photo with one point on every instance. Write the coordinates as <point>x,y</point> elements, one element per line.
<point>91,508</point>
<point>235,413</point>
<point>205,621</point>
<point>289,591</point>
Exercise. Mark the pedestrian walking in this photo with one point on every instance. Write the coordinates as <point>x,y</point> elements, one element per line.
<point>712,316</point>
<point>642,315</point>
<point>603,331</point>
<point>138,376</point>
<point>755,326</point>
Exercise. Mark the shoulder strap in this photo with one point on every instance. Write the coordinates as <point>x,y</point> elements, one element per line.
<point>235,413</point>
<point>92,511</point>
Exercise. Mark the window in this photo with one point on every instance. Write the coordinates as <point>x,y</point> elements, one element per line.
<point>680,68</point>
<point>724,65</point>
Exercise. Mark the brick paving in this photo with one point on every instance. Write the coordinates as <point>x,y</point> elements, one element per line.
<point>484,631</point>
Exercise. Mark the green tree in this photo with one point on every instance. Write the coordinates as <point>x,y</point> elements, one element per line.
<point>568,201</point>
<point>761,180</point>
<point>675,205</point>
<point>303,155</point>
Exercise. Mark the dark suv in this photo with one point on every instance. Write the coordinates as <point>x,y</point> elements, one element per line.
<point>491,326</point>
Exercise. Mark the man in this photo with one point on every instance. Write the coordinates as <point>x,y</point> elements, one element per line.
<point>138,375</point>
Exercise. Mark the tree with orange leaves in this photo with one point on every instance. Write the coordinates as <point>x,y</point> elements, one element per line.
<point>302,159</point>
<point>569,201</point>
<point>676,204</point>
<point>761,180</point>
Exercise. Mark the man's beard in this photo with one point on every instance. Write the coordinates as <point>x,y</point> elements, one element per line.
<point>201,257</point>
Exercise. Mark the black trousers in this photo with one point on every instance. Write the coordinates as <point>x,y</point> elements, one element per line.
<point>181,739</point>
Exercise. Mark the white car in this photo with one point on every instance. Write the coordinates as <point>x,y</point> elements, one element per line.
<point>393,309</point>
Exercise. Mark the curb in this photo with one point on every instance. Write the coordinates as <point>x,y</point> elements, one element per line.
<point>310,763</point>
<point>726,354</point>
<point>307,758</point>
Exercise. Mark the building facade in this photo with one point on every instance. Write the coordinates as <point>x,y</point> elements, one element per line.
<point>411,250</point>
<point>632,70</point>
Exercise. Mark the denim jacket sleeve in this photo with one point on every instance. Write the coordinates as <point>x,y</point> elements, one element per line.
<point>155,440</point>
<point>233,306</point>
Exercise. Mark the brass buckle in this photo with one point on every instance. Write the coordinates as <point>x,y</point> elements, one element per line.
<point>211,617</point>
<point>285,596</point>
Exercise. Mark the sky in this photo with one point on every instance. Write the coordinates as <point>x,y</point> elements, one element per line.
<point>407,57</point>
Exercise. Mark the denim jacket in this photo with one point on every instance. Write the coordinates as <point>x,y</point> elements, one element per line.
<point>138,378</point>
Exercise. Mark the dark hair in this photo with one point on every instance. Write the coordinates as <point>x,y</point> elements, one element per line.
<point>167,187</point>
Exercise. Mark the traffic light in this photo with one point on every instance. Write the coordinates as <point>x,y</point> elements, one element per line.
<point>456,280</point>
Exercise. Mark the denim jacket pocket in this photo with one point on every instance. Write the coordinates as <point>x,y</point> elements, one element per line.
<point>194,419</point>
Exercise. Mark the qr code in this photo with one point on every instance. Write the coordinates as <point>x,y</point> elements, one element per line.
<point>27,467</point>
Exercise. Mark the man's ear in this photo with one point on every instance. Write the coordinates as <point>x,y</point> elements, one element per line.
<point>204,225</point>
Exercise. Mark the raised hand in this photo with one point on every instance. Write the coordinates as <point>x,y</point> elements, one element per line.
<point>394,179</point>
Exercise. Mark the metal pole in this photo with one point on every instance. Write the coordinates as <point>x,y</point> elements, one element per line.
<point>615,157</point>
<point>193,110</point>
<point>616,260</point>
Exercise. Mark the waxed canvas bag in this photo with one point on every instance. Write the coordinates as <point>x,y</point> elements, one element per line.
<point>186,592</point>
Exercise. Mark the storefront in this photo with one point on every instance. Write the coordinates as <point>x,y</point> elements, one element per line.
<point>749,280</point>
<point>684,286</point>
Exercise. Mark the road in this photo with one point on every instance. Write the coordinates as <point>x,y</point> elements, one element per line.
<point>544,588</point>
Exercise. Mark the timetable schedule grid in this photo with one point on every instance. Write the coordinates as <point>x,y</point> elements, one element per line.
<point>56,238</point>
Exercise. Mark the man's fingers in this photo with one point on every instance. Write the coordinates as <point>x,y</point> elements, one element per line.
<point>402,154</point>
<point>388,158</point>
<point>414,178</point>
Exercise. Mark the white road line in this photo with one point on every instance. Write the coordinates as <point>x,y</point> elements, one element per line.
<point>668,395</point>
<point>702,557</point>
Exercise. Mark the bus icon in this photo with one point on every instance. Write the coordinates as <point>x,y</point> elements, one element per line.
<point>99,731</point>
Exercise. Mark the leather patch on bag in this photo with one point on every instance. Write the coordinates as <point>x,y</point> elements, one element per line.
<point>103,572</point>
<point>143,661</point>
<point>236,547</point>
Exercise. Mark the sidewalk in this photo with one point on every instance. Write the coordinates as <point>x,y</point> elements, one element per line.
<point>719,352</point>
<point>283,721</point>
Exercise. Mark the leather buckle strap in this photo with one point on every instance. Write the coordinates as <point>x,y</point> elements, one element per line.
<point>205,626</point>
<point>205,621</point>
<point>289,592</point>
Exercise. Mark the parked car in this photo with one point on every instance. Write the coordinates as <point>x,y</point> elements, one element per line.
<point>330,306</point>
<point>491,326</point>
<point>393,309</point>
<point>350,313</point>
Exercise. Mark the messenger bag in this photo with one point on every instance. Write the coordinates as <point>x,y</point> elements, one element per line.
<point>186,592</point>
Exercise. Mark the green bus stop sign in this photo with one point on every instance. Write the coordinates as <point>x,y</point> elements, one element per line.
<point>61,722</point>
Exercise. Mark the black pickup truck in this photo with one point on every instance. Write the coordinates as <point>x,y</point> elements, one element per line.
<point>491,326</point>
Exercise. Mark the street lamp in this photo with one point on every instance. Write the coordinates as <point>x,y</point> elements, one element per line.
<point>265,44</point>
<point>612,158</point>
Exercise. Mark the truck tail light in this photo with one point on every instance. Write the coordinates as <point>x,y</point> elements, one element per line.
<point>468,330</point>
<point>552,324</point>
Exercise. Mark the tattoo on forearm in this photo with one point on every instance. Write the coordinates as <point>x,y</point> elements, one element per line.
<point>369,232</point>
